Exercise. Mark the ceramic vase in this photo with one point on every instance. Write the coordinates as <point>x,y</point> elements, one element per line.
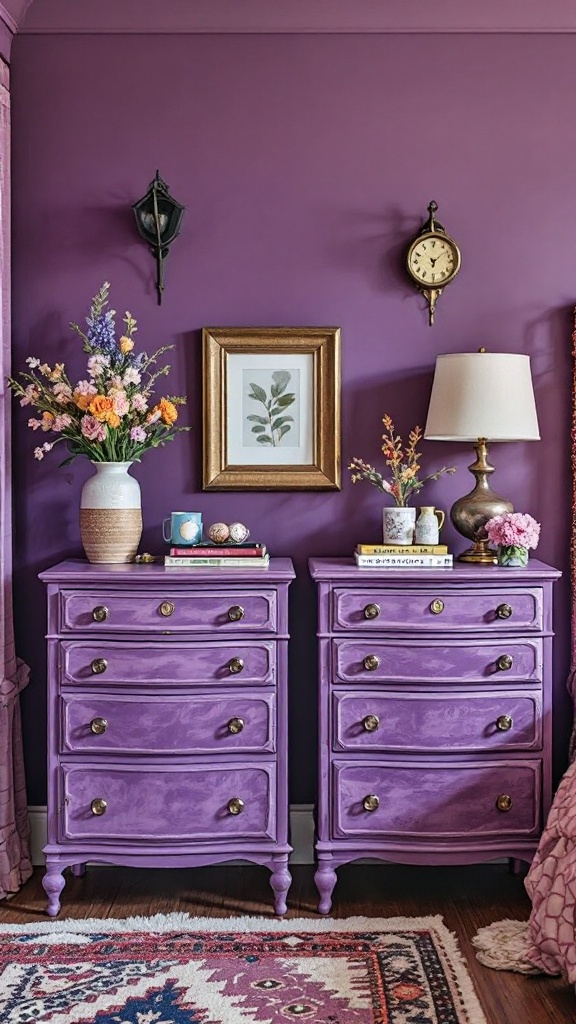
<point>110,514</point>
<point>512,555</point>
<point>428,525</point>
<point>398,525</point>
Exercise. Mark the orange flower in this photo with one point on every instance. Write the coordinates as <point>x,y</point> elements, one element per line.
<point>168,412</point>
<point>125,344</point>
<point>82,401</point>
<point>102,409</point>
<point>47,421</point>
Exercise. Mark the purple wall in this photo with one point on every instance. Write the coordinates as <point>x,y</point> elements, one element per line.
<point>306,164</point>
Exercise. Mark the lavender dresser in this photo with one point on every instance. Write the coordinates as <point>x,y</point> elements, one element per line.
<point>167,724</point>
<point>435,714</point>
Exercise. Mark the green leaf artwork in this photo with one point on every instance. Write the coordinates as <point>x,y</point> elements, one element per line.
<point>273,423</point>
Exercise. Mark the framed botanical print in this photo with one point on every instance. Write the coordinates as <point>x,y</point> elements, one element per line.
<point>271,408</point>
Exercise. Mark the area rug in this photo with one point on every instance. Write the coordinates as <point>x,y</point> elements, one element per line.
<point>177,969</point>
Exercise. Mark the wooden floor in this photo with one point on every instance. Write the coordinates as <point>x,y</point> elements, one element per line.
<point>466,897</point>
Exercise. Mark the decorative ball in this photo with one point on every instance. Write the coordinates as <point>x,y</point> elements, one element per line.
<point>239,532</point>
<point>219,533</point>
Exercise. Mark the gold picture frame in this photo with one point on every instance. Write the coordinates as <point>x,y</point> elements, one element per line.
<point>271,408</point>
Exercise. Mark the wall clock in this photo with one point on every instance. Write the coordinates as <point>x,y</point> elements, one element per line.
<point>433,260</point>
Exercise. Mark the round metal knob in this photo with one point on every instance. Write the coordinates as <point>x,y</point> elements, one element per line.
<point>236,665</point>
<point>235,725</point>
<point>371,662</point>
<point>503,611</point>
<point>371,802</point>
<point>98,666</point>
<point>100,613</point>
<point>235,613</point>
<point>372,611</point>
<point>504,723</point>
<point>504,802</point>
<point>98,726</point>
<point>166,609</point>
<point>370,723</point>
<point>98,806</point>
<point>437,606</point>
<point>504,663</point>
<point>235,805</point>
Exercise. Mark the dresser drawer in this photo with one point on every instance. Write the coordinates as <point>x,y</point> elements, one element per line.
<point>239,663</point>
<point>230,724</point>
<point>170,802</point>
<point>373,660</point>
<point>437,802</point>
<point>382,607</point>
<point>168,610</point>
<point>436,722</point>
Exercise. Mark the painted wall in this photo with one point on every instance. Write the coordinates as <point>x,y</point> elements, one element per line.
<point>306,164</point>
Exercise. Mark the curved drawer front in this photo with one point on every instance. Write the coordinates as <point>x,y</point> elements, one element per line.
<point>421,800</point>
<point>230,724</point>
<point>413,661</point>
<point>437,722</point>
<point>168,610</point>
<point>156,664</point>
<point>180,802</point>
<point>380,608</point>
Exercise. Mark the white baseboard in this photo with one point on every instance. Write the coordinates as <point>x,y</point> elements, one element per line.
<point>301,833</point>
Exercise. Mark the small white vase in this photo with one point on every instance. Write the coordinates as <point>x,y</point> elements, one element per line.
<point>110,514</point>
<point>428,525</point>
<point>398,525</point>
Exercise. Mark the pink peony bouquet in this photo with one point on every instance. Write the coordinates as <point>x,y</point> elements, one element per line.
<point>513,533</point>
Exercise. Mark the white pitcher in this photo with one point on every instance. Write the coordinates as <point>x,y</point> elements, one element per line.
<point>428,525</point>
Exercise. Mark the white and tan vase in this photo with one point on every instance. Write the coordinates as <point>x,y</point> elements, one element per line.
<point>110,514</point>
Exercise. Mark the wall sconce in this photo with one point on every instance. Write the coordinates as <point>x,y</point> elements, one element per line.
<point>158,219</point>
<point>481,397</point>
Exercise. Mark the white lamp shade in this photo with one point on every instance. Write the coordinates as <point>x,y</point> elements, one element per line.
<point>482,395</point>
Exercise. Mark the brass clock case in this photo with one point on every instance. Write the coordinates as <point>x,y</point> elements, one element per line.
<point>433,260</point>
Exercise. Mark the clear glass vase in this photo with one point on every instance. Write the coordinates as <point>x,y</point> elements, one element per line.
<point>512,555</point>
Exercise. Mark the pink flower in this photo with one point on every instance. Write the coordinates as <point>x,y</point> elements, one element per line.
<point>513,529</point>
<point>85,387</point>
<point>96,364</point>
<point>137,434</point>
<point>61,422</point>
<point>34,424</point>
<point>120,403</point>
<point>153,416</point>
<point>31,394</point>
<point>92,429</point>
<point>62,392</point>
<point>139,403</point>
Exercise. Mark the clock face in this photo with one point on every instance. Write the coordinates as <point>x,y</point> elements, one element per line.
<point>433,260</point>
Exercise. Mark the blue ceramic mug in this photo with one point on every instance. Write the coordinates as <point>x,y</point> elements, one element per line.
<point>183,528</point>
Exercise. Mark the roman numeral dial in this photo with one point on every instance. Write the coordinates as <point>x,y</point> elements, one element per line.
<point>433,260</point>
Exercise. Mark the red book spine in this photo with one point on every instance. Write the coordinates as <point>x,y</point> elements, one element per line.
<point>217,552</point>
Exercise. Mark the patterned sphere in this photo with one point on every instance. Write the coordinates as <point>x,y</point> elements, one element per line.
<point>239,533</point>
<point>219,533</point>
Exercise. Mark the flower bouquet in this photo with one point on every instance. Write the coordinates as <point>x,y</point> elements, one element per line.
<point>513,533</point>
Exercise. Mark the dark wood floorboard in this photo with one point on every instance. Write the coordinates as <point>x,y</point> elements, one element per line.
<point>466,897</point>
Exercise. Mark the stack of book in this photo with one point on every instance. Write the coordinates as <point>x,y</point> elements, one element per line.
<point>403,556</point>
<point>233,556</point>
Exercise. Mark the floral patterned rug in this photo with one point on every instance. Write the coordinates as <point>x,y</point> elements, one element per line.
<point>176,969</point>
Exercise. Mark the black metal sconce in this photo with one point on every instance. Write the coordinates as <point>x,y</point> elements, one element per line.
<point>158,219</point>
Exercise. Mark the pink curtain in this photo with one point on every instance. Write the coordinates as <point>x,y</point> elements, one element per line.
<point>15,866</point>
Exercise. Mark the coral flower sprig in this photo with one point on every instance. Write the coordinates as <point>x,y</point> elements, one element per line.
<point>403,462</point>
<point>110,415</point>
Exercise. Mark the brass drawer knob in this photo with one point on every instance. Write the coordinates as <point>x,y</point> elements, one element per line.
<point>372,611</point>
<point>235,805</point>
<point>371,662</point>
<point>504,663</point>
<point>235,613</point>
<point>167,609</point>
<point>437,606</point>
<point>98,806</point>
<point>504,802</point>
<point>98,666</point>
<point>98,726</point>
<point>371,802</point>
<point>236,665</point>
<point>503,611</point>
<point>370,723</point>
<point>100,613</point>
<point>235,725</point>
<point>504,723</point>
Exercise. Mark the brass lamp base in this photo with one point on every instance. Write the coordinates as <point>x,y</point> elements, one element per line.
<point>471,513</point>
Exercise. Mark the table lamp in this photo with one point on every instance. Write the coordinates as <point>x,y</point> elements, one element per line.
<point>481,397</point>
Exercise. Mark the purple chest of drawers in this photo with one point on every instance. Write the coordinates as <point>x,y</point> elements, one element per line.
<point>167,722</point>
<point>434,714</point>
